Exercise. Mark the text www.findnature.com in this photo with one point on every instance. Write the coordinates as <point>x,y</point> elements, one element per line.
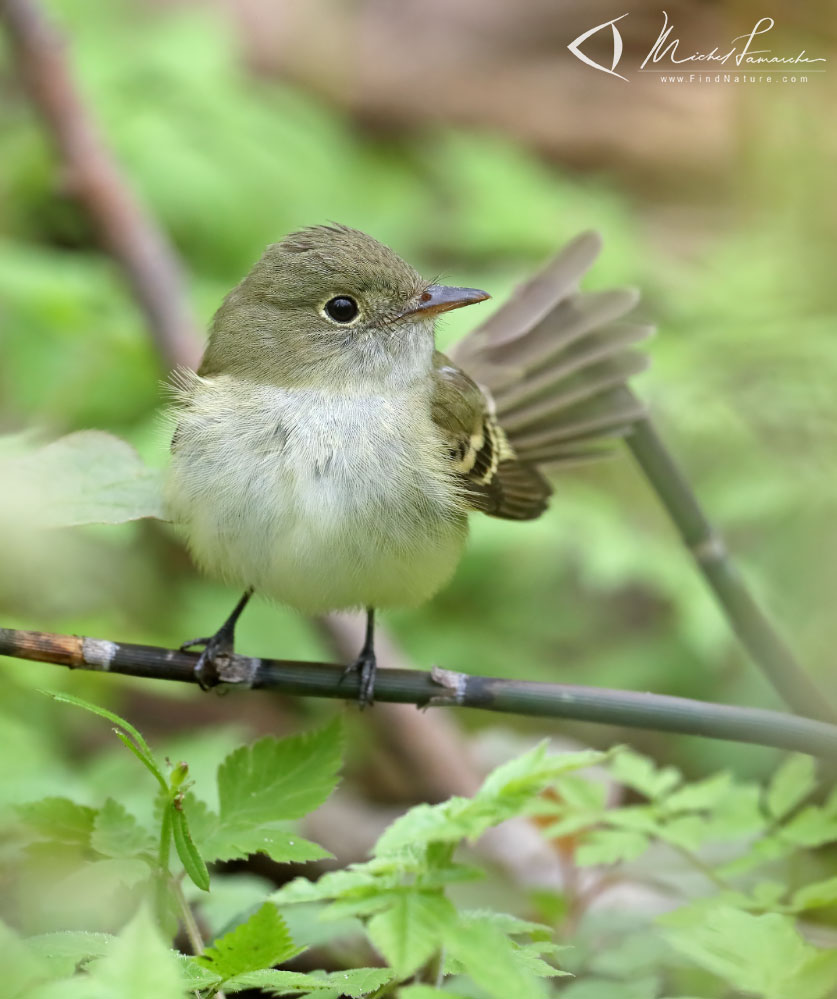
<point>730,78</point>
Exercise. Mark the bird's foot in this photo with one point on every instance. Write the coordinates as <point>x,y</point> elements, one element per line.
<point>216,647</point>
<point>365,666</point>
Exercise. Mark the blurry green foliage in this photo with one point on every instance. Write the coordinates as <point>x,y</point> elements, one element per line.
<point>94,891</point>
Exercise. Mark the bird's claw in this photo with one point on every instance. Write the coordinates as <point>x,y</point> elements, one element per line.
<point>216,647</point>
<point>366,667</point>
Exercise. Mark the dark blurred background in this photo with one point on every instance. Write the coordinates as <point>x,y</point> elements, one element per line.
<point>465,135</point>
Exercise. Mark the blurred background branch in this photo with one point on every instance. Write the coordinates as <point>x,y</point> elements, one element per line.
<point>92,176</point>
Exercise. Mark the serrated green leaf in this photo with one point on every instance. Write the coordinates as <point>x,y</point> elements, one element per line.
<point>355,982</point>
<point>409,932</point>
<point>506,792</point>
<point>526,775</point>
<point>703,794</point>
<point>761,954</point>
<point>530,957</point>
<point>193,862</point>
<point>611,846</point>
<point>259,943</point>
<point>275,780</point>
<point>506,923</point>
<point>88,477</point>
<point>195,976</point>
<point>641,818</point>
<point>217,840</point>
<point>815,896</point>
<point>492,961</point>
<point>117,834</point>
<point>790,785</point>
<point>59,820</point>
<point>335,884</point>
<point>640,773</point>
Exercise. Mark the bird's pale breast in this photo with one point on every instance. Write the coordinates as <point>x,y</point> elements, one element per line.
<point>320,500</point>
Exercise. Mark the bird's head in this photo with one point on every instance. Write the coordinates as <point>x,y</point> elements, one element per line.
<point>330,306</point>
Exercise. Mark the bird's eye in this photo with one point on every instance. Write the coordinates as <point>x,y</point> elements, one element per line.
<point>341,309</point>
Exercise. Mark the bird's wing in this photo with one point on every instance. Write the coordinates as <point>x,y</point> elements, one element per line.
<point>492,478</point>
<point>554,362</point>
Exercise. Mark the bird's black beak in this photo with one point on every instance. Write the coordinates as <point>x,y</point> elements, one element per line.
<point>442,298</point>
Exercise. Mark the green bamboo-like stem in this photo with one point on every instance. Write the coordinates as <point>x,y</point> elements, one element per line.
<point>756,633</point>
<point>441,687</point>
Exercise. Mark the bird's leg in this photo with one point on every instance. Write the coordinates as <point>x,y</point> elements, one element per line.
<point>219,644</point>
<point>366,664</point>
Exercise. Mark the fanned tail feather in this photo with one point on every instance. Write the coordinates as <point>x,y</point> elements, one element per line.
<point>555,360</point>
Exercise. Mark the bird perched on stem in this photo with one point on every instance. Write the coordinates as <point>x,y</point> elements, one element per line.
<point>328,456</point>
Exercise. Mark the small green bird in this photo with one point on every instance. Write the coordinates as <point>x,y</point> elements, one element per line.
<point>328,456</point>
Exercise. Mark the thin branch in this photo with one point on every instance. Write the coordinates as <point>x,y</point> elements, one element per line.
<point>130,235</point>
<point>756,633</point>
<point>440,687</point>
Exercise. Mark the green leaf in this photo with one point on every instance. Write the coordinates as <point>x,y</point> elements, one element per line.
<point>761,954</point>
<point>336,884</point>
<point>703,794</point>
<point>139,745</point>
<point>191,859</point>
<point>117,834</point>
<point>409,932</point>
<point>815,896</point>
<point>611,846</point>
<point>63,952</point>
<point>59,820</point>
<point>516,781</point>
<point>197,977</point>
<point>767,894</point>
<point>688,831</point>
<point>259,943</point>
<point>137,965</point>
<point>581,793</point>
<point>639,773</point>
<point>790,785</point>
<point>279,779</point>
<point>506,923</point>
<point>491,960</point>
<point>218,840</point>
<point>812,826</point>
<point>508,791</point>
<point>355,982</point>
<point>89,477</point>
